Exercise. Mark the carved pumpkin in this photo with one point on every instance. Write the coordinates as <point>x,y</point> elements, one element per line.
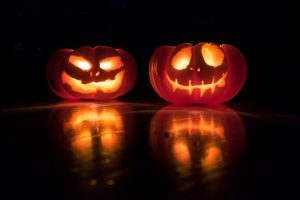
<point>100,73</point>
<point>206,138</point>
<point>93,139</point>
<point>205,73</point>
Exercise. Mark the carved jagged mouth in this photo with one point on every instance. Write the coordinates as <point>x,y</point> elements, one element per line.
<point>202,87</point>
<point>108,86</point>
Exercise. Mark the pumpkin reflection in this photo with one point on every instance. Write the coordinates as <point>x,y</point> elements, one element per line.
<point>104,124</point>
<point>189,137</point>
<point>93,138</point>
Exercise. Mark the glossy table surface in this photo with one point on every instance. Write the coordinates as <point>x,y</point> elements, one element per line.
<point>118,150</point>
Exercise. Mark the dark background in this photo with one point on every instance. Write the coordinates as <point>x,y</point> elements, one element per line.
<point>32,30</point>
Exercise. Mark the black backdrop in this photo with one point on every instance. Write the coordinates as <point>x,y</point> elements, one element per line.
<point>32,30</point>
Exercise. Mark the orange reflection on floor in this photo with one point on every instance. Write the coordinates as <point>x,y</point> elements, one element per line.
<point>196,136</point>
<point>181,153</point>
<point>95,135</point>
<point>104,124</point>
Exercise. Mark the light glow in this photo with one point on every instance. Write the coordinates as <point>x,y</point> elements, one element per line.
<point>107,86</point>
<point>213,158</point>
<point>212,54</point>
<point>88,124</point>
<point>197,124</point>
<point>181,153</point>
<point>111,63</point>
<point>202,87</point>
<point>80,62</point>
<point>193,126</point>
<point>182,58</point>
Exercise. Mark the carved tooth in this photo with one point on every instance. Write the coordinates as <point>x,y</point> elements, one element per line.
<point>213,86</point>
<point>221,82</point>
<point>190,87</point>
<point>203,89</point>
<point>174,86</point>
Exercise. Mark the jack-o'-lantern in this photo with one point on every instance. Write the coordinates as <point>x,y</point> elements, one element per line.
<point>194,137</point>
<point>100,73</point>
<point>205,73</point>
<point>93,138</point>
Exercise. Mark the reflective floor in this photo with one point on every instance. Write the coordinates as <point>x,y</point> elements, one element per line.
<point>117,150</point>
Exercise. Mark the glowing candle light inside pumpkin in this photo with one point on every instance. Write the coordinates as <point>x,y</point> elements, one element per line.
<point>182,59</point>
<point>80,62</point>
<point>111,63</point>
<point>212,54</point>
<point>204,73</point>
<point>100,73</point>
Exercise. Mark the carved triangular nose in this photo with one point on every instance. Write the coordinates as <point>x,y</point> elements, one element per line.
<point>196,69</point>
<point>95,73</point>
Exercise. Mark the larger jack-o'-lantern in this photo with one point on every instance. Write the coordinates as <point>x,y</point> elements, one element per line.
<point>92,139</point>
<point>100,73</point>
<point>199,138</point>
<point>205,73</point>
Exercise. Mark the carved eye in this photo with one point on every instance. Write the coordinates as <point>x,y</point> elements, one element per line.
<point>111,63</point>
<point>80,62</point>
<point>212,54</point>
<point>182,58</point>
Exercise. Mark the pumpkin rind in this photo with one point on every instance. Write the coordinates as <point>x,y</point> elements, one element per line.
<point>77,74</point>
<point>213,74</point>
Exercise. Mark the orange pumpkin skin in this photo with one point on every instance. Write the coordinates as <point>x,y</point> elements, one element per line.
<point>190,136</point>
<point>202,74</point>
<point>100,73</point>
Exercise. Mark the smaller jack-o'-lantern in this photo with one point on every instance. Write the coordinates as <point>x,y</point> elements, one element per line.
<point>100,73</point>
<point>205,73</point>
<point>189,137</point>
